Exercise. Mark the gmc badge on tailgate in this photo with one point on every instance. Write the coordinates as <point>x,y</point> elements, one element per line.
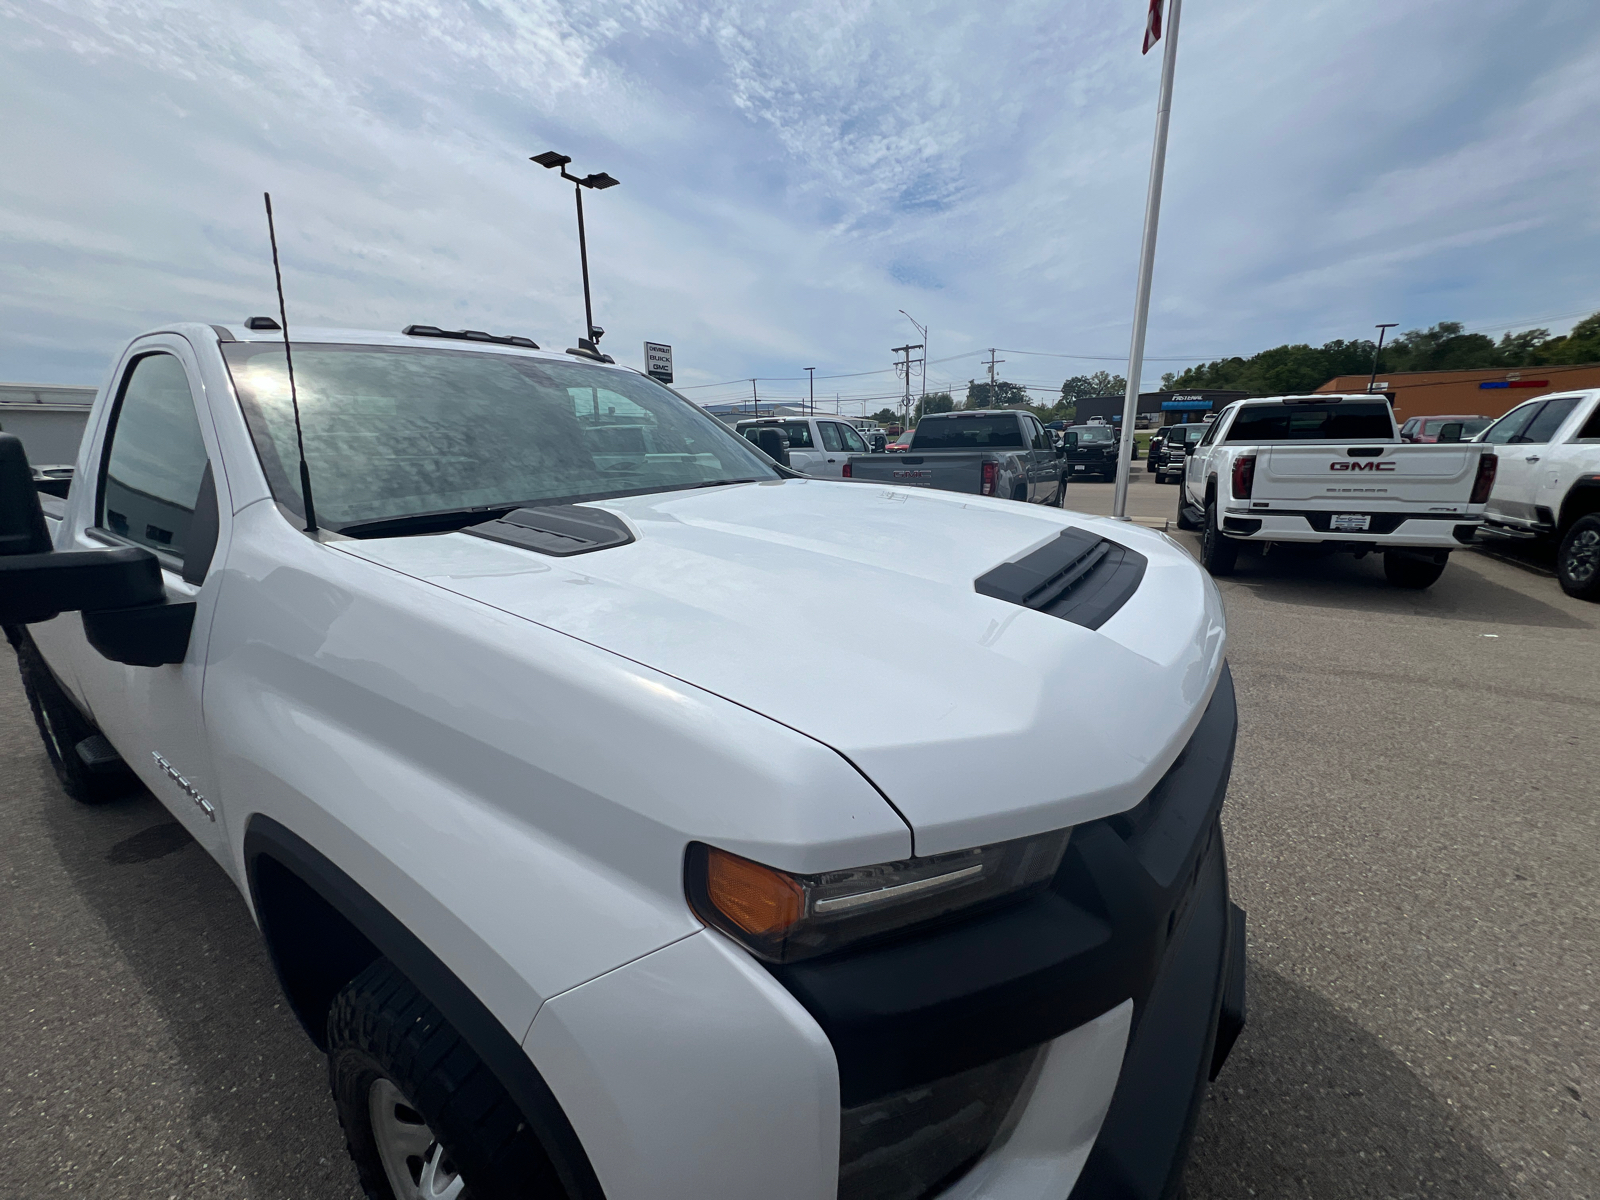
<point>1361,466</point>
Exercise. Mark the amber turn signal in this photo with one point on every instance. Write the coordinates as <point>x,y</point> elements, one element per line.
<point>758,899</point>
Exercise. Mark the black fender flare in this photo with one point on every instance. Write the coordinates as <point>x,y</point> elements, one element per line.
<point>502,1053</point>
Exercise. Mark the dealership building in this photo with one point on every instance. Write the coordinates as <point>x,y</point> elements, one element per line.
<point>1158,408</point>
<point>1484,393</point>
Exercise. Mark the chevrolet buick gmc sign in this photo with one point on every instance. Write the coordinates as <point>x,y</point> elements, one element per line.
<point>658,361</point>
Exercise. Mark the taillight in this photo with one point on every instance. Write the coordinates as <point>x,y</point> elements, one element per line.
<point>847,474</point>
<point>1484,484</point>
<point>989,470</point>
<point>1244,476</point>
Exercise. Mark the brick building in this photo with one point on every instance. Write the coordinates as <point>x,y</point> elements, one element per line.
<point>1485,393</point>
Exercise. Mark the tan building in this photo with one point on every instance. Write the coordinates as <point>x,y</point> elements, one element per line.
<point>1487,393</point>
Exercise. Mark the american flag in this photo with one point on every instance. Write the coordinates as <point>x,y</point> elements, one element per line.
<point>1152,26</point>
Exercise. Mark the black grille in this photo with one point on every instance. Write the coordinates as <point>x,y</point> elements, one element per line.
<point>1079,577</point>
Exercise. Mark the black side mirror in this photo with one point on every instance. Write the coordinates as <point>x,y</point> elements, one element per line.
<point>1450,432</point>
<point>1189,449</point>
<point>1069,440</point>
<point>772,443</point>
<point>119,590</point>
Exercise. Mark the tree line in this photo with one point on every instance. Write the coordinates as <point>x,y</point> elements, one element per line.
<point>1445,347</point>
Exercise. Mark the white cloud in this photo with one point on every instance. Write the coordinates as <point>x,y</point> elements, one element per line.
<point>792,173</point>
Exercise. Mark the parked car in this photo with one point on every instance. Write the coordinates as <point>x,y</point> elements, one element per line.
<point>984,452</point>
<point>901,442</point>
<point>1426,429</point>
<point>1331,470</point>
<point>817,446</point>
<point>579,894</point>
<point>1168,458</point>
<point>1090,451</point>
<point>1548,485</point>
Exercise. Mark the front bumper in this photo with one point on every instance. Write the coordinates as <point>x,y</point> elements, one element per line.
<point>1083,1023</point>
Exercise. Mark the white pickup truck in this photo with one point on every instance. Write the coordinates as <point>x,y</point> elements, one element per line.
<point>1331,471</point>
<point>1548,485</point>
<point>583,891</point>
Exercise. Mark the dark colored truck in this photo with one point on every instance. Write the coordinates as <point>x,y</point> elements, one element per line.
<point>985,452</point>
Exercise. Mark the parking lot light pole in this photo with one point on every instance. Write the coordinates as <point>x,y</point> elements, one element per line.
<point>811,373</point>
<point>1382,329</point>
<point>599,181</point>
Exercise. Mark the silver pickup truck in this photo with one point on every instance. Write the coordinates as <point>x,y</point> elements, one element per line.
<point>986,452</point>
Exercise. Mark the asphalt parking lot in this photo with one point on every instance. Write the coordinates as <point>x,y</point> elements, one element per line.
<point>1412,827</point>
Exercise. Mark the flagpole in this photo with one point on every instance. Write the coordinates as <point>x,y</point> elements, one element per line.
<point>1147,258</point>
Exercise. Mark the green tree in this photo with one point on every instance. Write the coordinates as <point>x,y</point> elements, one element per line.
<point>1002,395</point>
<point>885,416</point>
<point>1101,383</point>
<point>935,402</point>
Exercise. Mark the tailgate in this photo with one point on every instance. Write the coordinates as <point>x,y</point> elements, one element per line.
<point>945,470</point>
<point>1382,477</point>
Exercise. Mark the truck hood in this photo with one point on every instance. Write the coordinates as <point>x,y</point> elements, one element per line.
<point>847,612</point>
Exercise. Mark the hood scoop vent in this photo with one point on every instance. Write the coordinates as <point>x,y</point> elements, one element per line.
<point>1079,577</point>
<point>560,530</point>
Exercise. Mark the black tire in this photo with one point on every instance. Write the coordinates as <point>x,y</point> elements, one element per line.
<point>62,727</point>
<point>1183,519</point>
<point>383,1034</point>
<point>1578,559</point>
<point>1409,571</point>
<point>1218,554</point>
<point>1061,493</point>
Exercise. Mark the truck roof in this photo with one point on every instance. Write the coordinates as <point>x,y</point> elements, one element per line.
<point>376,337</point>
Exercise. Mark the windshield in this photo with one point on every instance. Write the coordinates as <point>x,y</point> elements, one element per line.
<point>1346,422</point>
<point>1092,433</point>
<point>1185,433</point>
<point>970,433</point>
<point>396,430</point>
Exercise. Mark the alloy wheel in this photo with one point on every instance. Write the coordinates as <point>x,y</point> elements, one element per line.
<point>413,1159</point>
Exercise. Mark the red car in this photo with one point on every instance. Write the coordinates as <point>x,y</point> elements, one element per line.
<point>1426,429</point>
<point>900,443</point>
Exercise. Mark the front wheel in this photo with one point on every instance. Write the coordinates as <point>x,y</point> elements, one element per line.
<point>422,1114</point>
<point>1183,509</point>
<point>1409,571</point>
<point>63,728</point>
<point>1578,559</point>
<point>1218,554</point>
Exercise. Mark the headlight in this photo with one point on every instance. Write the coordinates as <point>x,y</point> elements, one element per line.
<point>782,917</point>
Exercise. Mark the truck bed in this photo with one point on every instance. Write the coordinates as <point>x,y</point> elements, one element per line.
<point>945,470</point>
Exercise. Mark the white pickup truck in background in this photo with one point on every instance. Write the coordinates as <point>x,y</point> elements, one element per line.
<point>1330,470</point>
<point>1548,485</point>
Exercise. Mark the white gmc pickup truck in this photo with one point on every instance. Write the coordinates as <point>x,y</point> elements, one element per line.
<point>1331,471</point>
<point>583,891</point>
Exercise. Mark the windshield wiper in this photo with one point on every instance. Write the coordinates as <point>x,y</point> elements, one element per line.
<point>441,521</point>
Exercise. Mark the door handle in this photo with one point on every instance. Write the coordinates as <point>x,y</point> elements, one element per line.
<point>1531,458</point>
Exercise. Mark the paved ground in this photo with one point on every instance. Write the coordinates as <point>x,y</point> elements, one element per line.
<point>1412,826</point>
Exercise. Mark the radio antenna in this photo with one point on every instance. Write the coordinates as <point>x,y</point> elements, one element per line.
<point>288,358</point>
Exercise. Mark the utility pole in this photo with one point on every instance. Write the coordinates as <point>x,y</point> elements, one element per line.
<point>923,330</point>
<point>755,403</point>
<point>1382,329</point>
<point>904,368</point>
<point>811,408</point>
<point>993,362</point>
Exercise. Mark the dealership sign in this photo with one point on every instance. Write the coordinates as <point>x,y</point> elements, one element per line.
<point>1186,404</point>
<point>658,361</point>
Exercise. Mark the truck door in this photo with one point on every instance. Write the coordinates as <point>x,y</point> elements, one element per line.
<point>1043,472</point>
<point>1194,466</point>
<point>1524,440</point>
<point>157,487</point>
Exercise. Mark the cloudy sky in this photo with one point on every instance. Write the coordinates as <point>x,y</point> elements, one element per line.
<point>794,173</point>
